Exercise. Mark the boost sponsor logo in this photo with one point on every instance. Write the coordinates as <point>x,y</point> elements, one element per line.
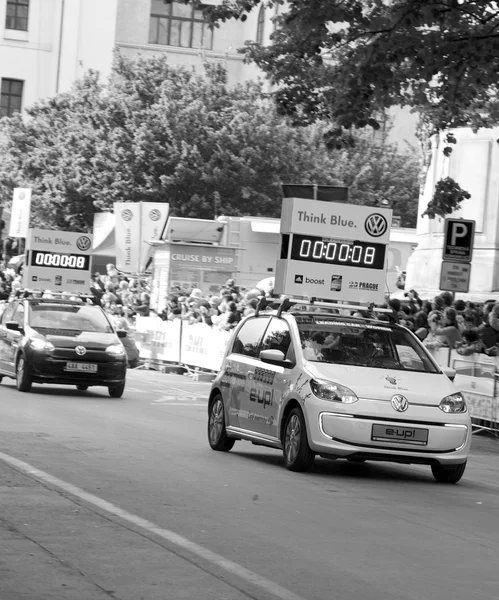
<point>314,281</point>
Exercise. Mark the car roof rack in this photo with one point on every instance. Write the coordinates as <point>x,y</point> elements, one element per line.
<point>50,296</point>
<point>283,304</point>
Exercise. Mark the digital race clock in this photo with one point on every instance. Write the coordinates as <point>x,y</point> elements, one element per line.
<point>308,248</point>
<point>42,258</point>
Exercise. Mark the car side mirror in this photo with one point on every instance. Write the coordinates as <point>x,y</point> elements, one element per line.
<point>451,373</point>
<point>275,357</point>
<point>13,326</point>
<point>121,333</point>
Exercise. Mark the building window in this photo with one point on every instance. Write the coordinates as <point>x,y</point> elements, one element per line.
<point>17,15</point>
<point>179,25</point>
<point>11,97</point>
<point>260,28</point>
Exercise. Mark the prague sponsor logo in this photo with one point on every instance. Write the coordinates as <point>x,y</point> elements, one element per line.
<point>80,350</point>
<point>127,214</point>
<point>155,214</point>
<point>83,243</point>
<point>336,281</point>
<point>376,225</point>
<point>399,403</point>
<point>363,285</point>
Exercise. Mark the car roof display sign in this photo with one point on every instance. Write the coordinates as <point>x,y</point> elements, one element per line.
<point>333,251</point>
<point>58,261</point>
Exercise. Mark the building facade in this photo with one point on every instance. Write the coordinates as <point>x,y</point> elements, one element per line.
<point>46,45</point>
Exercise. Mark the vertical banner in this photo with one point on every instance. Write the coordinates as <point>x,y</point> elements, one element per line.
<point>19,219</point>
<point>127,232</point>
<point>103,228</point>
<point>153,220</point>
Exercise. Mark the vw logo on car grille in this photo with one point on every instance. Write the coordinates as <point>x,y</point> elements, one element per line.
<point>376,225</point>
<point>80,350</point>
<point>399,403</point>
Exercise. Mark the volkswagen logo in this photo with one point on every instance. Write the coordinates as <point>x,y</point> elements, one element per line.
<point>127,214</point>
<point>399,403</point>
<point>80,350</point>
<point>376,225</point>
<point>155,215</point>
<point>83,243</point>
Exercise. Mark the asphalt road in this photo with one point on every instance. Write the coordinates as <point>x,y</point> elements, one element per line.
<point>103,498</point>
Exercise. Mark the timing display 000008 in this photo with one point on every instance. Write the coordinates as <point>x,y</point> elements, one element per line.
<point>338,252</point>
<point>41,258</point>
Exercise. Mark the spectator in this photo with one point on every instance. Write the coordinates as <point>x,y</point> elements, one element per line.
<point>449,330</point>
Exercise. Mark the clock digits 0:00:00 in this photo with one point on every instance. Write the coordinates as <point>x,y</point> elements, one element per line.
<point>367,255</point>
<point>41,258</point>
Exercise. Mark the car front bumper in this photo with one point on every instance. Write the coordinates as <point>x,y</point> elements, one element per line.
<point>353,430</point>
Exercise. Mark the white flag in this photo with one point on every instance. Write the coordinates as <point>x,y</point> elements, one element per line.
<point>19,218</point>
<point>127,232</point>
<point>153,219</point>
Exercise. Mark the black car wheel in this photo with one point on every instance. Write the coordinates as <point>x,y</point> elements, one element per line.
<point>23,377</point>
<point>217,436</point>
<point>116,391</point>
<point>295,448</point>
<point>448,474</point>
<point>82,388</point>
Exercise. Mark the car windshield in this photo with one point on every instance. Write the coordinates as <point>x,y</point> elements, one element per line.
<point>68,318</point>
<point>361,344</point>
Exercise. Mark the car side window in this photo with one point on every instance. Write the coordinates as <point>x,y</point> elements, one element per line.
<point>9,311</point>
<point>277,336</point>
<point>19,314</point>
<point>248,338</point>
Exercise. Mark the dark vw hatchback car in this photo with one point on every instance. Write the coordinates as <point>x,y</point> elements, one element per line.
<point>60,341</point>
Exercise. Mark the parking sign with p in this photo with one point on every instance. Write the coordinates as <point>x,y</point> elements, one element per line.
<point>458,240</point>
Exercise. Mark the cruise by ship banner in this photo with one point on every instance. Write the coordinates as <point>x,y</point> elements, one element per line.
<point>19,218</point>
<point>136,223</point>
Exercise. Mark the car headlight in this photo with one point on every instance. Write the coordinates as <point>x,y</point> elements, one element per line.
<point>455,403</point>
<point>334,392</point>
<point>116,349</point>
<point>41,344</point>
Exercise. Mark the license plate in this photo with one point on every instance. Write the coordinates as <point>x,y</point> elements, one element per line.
<point>404,435</point>
<point>86,367</point>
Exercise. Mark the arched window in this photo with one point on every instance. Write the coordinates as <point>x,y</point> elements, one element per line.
<point>260,29</point>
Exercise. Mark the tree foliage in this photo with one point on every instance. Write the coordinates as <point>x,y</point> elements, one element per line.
<point>350,61</point>
<point>167,134</point>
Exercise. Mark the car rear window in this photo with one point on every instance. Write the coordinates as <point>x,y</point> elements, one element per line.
<point>69,318</point>
<point>361,344</point>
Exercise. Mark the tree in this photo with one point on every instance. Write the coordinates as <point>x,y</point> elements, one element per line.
<point>348,62</point>
<point>168,134</point>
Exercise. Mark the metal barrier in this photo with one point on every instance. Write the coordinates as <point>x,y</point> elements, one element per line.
<point>199,349</point>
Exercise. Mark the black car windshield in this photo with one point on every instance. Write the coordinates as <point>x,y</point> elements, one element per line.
<point>361,344</point>
<point>68,318</point>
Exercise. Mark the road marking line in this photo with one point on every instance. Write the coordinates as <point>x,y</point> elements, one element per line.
<point>269,587</point>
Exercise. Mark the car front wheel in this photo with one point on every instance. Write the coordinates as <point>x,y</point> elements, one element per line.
<point>23,377</point>
<point>116,391</point>
<point>448,474</point>
<point>295,448</point>
<point>217,436</point>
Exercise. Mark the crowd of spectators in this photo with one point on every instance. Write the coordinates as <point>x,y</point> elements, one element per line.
<point>443,321</point>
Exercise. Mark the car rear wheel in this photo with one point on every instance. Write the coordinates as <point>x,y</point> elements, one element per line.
<point>448,474</point>
<point>82,388</point>
<point>217,436</point>
<point>23,377</point>
<point>295,448</point>
<point>116,391</point>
